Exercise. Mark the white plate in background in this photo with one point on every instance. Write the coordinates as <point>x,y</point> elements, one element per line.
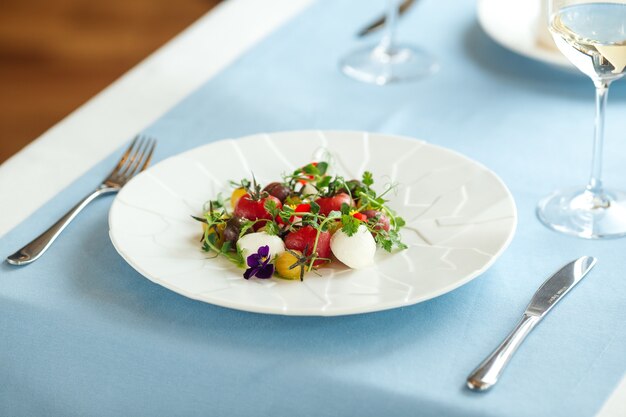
<point>522,27</point>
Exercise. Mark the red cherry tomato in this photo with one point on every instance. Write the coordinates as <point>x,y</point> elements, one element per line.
<point>328,204</point>
<point>383,220</point>
<point>360,216</point>
<point>303,208</point>
<point>278,190</point>
<point>254,209</point>
<point>305,238</point>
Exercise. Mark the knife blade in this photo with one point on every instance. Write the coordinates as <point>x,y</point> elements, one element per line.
<point>380,22</point>
<point>547,296</point>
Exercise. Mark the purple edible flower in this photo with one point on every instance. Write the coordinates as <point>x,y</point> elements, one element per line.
<point>259,264</point>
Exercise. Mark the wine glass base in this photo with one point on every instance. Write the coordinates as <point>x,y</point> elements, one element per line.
<point>584,214</point>
<point>379,66</point>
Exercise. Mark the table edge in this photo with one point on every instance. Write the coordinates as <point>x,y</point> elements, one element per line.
<point>32,176</point>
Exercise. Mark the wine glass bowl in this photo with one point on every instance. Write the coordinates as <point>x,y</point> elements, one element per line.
<point>388,61</point>
<point>379,66</point>
<point>592,35</point>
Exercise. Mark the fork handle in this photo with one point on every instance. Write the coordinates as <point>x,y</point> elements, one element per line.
<point>33,250</point>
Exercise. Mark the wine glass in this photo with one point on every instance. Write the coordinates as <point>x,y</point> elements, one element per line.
<point>388,61</point>
<point>592,35</point>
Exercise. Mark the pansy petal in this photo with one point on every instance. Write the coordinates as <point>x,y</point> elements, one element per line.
<point>253,260</point>
<point>264,251</point>
<point>250,272</point>
<point>266,271</point>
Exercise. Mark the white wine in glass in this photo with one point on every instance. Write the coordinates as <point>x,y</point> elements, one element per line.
<point>592,35</point>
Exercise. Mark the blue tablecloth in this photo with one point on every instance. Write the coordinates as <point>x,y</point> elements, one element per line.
<point>84,334</point>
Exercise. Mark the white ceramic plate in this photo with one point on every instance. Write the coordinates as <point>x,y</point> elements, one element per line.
<point>521,26</point>
<point>460,218</point>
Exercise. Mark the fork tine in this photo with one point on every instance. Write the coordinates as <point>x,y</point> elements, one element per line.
<point>132,160</point>
<point>149,156</point>
<point>132,170</point>
<point>124,157</point>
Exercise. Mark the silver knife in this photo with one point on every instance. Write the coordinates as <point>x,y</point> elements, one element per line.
<point>551,291</point>
<point>380,22</point>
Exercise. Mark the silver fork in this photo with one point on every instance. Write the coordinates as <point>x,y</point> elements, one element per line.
<point>135,159</point>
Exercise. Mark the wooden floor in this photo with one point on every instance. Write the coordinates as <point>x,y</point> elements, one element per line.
<point>56,54</point>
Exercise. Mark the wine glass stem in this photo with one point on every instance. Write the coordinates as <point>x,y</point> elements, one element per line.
<point>595,180</point>
<point>387,42</point>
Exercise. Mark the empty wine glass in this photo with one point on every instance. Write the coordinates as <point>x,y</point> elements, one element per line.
<point>388,61</point>
<point>592,35</point>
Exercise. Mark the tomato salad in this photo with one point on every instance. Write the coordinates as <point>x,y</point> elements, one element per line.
<point>289,228</point>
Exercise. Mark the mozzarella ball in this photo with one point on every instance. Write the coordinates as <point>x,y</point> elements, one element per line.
<point>356,251</point>
<point>250,243</point>
<point>309,189</point>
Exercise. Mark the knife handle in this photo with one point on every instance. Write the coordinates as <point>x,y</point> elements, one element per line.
<point>488,372</point>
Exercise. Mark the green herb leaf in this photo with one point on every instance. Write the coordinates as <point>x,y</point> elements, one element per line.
<point>271,207</point>
<point>400,222</point>
<point>368,178</point>
<point>323,183</point>
<point>350,225</point>
<point>247,225</point>
<point>244,183</point>
<point>216,204</point>
<point>271,228</point>
<point>384,243</point>
<point>238,257</point>
<point>311,169</point>
<point>288,210</point>
<point>389,240</point>
<point>227,246</point>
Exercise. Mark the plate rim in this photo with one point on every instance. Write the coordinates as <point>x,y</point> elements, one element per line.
<point>379,307</point>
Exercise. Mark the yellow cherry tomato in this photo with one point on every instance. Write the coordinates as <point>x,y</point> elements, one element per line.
<point>293,200</point>
<point>236,195</point>
<point>282,263</point>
